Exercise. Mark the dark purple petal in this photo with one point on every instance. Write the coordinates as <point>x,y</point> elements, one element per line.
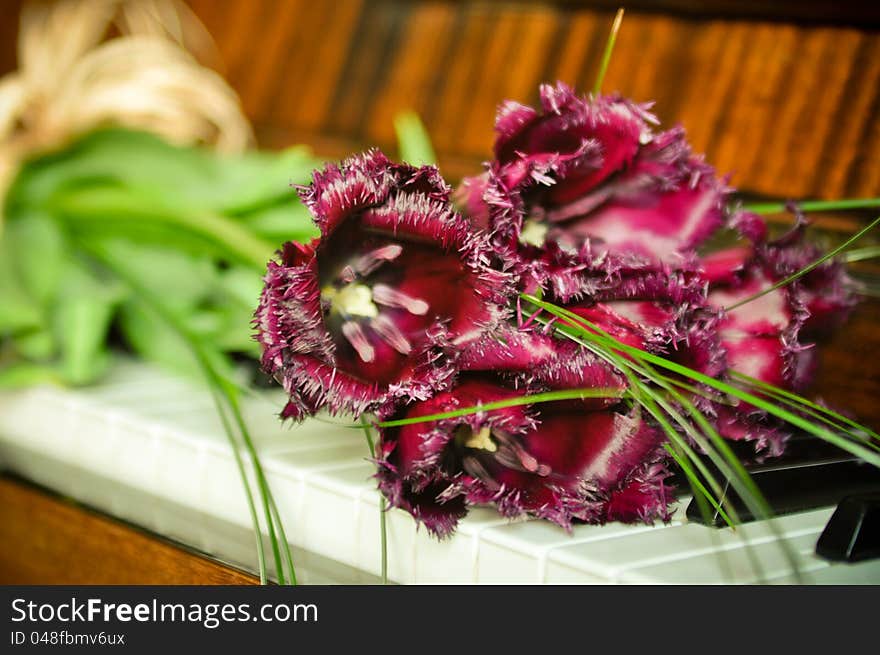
<point>376,308</point>
<point>590,171</point>
<point>558,460</point>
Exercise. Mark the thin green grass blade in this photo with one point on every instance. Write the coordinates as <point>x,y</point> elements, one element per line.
<point>263,484</point>
<point>855,448</point>
<point>704,496</point>
<point>701,499</point>
<point>548,396</point>
<point>215,380</point>
<point>798,400</point>
<point>718,451</point>
<point>383,508</point>
<point>606,54</point>
<point>806,269</point>
<point>861,254</point>
<point>646,398</point>
<point>815,205</point>
<point>255,521</point>
<point>413,140</point>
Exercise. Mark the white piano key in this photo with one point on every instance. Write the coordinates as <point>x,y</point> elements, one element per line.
<point>323,459</point>
<point>859,573</point>
<point>609,557</point>
<point>709,567</point>
<point>149,448</point>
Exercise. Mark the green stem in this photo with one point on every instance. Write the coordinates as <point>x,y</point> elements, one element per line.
<point>791,278</point>
<point>815,205</point>
<point>118,205</point>
<point>383,536</point>
<point>609,48</point>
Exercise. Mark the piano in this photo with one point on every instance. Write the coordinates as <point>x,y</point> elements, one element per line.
<point>147,447</point>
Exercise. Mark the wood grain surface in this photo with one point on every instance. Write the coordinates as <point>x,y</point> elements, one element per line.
<point>46,540</point>
<point>787,105</point>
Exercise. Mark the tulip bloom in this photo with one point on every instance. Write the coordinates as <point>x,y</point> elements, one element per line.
<point>592,170</point>
<point>376,308</point>
<point>763,337</point>
<point>593,460</point>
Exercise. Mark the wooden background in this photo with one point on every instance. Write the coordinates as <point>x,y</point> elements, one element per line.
<point>783,95</point>
<point>790,107</point>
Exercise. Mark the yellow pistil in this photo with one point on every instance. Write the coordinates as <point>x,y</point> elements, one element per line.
<point>351,300</point>
<point>482,440</point>
<point>534,233</point>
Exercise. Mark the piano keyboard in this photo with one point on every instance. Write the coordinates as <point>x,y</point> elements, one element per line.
<point>147,447</point>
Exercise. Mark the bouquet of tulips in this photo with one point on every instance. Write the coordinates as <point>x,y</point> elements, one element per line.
<point>554,335</point>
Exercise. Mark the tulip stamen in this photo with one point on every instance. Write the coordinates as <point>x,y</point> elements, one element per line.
<point>386,329</point>
<point>351,300</point>
<point>480,440</point>
<point>369,262</point>
<point>358,340</point>
<point>385,295</point>
<point>534,233</point>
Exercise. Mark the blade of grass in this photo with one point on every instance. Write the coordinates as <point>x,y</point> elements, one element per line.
<point>718,451</point>
<point>383,507</point>
<point>815,205</point>
<point>548,396</point>
<point>215,380</point>
<point>255,521</point>
<point>770,408</point>
<point>806,269</point>
<point>606,54</point>
<point>700,497</point>
<point>814,409</point>
<point>413,141</point>
<point>861,254</point>
<point>262,482</point>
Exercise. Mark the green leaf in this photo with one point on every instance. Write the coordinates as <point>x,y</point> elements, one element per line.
<point>260,178</point>
<point>242,285</point>
<point>815,205</point>
<point>81,320</point>
<point>184,281</point>
<point>115,209</point>
<point>19,311</point>
<point>155,341</point>
<point>288,221</point>
<point>38,250</point>
<point>26,374</point>
<point>36,345</point>
<point>413,141</point>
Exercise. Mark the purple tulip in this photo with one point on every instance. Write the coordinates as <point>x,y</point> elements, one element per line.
<point>376,308</point>
<point>764,337</point>
<point>591,170</point>
<point>593,460</point>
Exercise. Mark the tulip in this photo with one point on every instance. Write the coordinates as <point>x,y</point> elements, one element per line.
<point>591,170</point>
<point>763,338</point>
<point>592,460</point>
<point>376,308</point>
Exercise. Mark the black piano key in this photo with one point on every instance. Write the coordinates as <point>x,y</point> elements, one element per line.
<point>811,475</point>
<point>852,534</point>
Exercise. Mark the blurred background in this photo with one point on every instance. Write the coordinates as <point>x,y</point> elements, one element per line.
<point>783,94</point>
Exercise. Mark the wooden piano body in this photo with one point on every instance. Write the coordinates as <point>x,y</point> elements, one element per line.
<point>783,95</point>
